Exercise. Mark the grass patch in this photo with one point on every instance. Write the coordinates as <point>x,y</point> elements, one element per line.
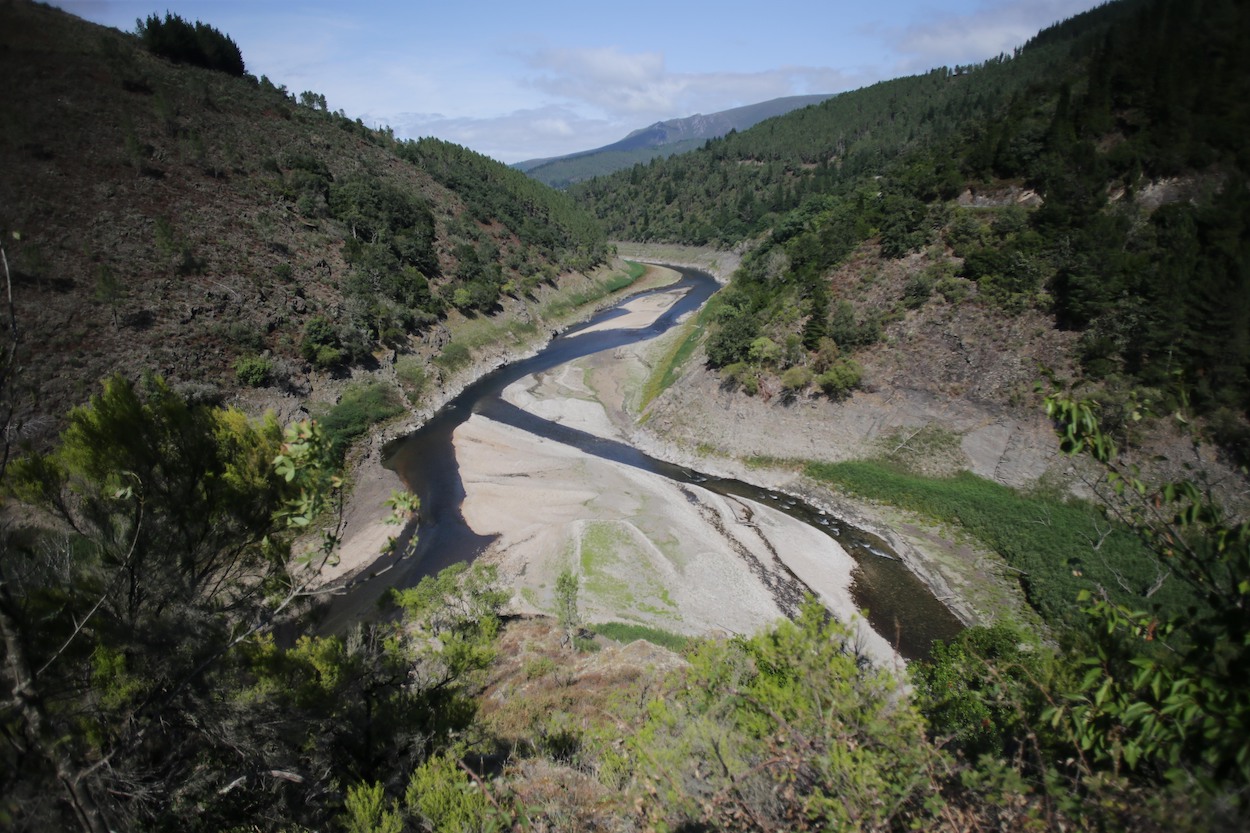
<point>767,461</point>
<point>410,371</point>
<point>484,330</point>
<point>597,291</point>
<point>668,369</point>
<point>600,545</point>
<point>1056,547</point>
<point>363,405</point>
<point>929,450</point>
<point>617,571</point>
<point>454,356</point>
<point>625,633</point>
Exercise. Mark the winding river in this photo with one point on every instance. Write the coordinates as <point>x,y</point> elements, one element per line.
<point>900,606</point>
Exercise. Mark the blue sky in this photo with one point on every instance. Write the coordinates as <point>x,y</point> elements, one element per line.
<point>519,80</point>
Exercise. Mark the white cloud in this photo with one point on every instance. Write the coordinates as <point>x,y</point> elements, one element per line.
<point>630,87</point>
<point>511,137</point>
<point>605,78</point>
<point>948,39</point>
<point>586,98</point>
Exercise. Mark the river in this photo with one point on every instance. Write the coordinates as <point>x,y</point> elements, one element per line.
<point>900,607</point>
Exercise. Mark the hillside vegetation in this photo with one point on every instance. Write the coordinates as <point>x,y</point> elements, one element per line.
<point>222,232</point>
<point>1096,176</point>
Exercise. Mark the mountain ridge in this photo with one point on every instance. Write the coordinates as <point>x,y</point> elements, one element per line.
<point>663,138</point>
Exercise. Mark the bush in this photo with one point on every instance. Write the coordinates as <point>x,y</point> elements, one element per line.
<point>253,371</point>
<point>848,331</point>
<point>731,340</point>
<point>322,344</point>
<point>764,350</point>
<point>980,688</point>
<point>744,374</point>
<point>917,290</point>
<point>841,378</point>
<point>796,379</point>
<point>441,796</point>
<point>410,371</point>
<point>361,406</point>
<point>953,290</point>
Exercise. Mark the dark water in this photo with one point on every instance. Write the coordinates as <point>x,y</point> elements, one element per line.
<point>899,606</point>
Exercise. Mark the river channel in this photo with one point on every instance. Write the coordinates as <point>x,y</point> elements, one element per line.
<point>900,607</point>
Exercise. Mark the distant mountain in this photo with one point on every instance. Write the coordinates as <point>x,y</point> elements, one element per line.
<point>664,138</point>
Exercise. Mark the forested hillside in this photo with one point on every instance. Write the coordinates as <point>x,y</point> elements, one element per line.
<point>222,231</point>
<point>1097,175</point>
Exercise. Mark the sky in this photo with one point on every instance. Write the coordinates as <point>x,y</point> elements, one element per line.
<point>526,79</point>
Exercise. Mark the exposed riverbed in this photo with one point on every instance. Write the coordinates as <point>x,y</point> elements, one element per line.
<point>529,468</point>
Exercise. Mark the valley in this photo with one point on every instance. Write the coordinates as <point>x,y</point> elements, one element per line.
<point>879,466</point>
<point>647,550</point>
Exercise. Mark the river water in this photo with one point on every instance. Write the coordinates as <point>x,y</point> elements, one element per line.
<point>900,607</point>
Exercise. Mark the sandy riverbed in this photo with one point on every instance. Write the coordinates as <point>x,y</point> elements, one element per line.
<point>365,530</point>
<point>647,550</point>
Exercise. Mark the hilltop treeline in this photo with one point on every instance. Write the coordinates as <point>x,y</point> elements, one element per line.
<point>192,43</point>
<point>1125,123</point>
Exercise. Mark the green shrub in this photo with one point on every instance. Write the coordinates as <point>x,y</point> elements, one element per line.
<point>410,371</point>
<point>796,378</point>
<point>245,335</point>
<point>980,688</point>
<point>327,357</point>
<point>841,378</point>
<point>253,371</point>
<point>322,344</point>
<point>442,797</point>
<point>366,810</point>
<point>453,357</point>
<point>917,290</point>
<point>744,374</point>
<point>953,290</point>
<point>764,350</point>
<point>787,731</point>
<point>362,405</point>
